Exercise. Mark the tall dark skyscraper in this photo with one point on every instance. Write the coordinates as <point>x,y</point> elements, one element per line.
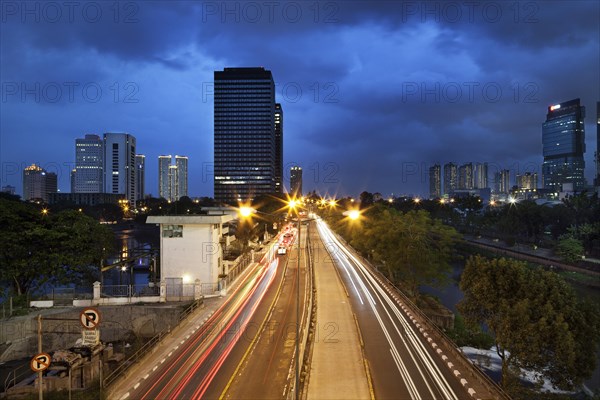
<point>435,181</point>
<point>244,134</point>
<point>563,142</point>
<point>278,148</point>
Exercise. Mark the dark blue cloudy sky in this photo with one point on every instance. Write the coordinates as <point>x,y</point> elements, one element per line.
<point>373,92</point>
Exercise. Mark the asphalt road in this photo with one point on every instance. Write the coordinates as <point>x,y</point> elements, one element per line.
<point>201,365</point>
<point>403,364</point>
<point>265,371</point>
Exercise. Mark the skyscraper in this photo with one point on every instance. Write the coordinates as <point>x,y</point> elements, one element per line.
<point>466,179</point>
<point>164,162</point>
<point>89,165</point>
<point>481,176</point>
<point>37,183</point>
<point>450,178</point>
<point>172,178</point>
<point>563,142</point>
<point>435,181</point>
<point>278,148</point>
<point>119,165</point>
<point>244,134</point>
<point>296,181</point>
<point>502,181</point>
<point>140,176</point>
<point>181,162</point>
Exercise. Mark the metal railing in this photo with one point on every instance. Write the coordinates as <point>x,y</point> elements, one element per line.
<point>129,290</point>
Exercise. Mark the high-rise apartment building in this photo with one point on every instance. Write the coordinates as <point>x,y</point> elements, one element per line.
<point>435,181</point>
<point>89,165</point>
<point>296,181</point>
<point>563,142</point>
<point>502,182</point>
<point>450,178</point>
<point>140,176</point>
<point>119,165</point>
<point>481,176</point>
<point>172,178</point>
<point>527,181</point>
<point>466,178</point>
<point>278,120</point>
<point>37,183</point>
<point>245,153</point>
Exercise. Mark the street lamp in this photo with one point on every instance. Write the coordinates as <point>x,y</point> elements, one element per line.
<point>293,204</point>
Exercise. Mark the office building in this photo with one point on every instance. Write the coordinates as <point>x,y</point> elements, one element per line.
<point>466,179</point>
<point>563,142</point>
<point>119,165</point>
<point>435,181</point>
<point>140,176</point>
<point>37,183</point>
<point>73,183</point>
<point>481,176</point>
<point>527,181</point>
<point>244,134</point>
<point>85,199</point>
<point>278,120</point>
<point>450,178</point>
<point>89,165</point>
<point>172,178</point>
<point>296,181</point>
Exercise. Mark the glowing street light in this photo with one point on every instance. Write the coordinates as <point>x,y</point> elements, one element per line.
<point>417,200</point>
<point>44,211</point>
<point>246,211</point>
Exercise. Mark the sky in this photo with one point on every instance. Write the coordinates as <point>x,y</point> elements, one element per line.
<point>373,92</point>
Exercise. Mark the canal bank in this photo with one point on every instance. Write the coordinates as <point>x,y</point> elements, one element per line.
<point>450,295</point>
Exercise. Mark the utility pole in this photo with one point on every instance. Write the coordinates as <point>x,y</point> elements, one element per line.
<point>40,373</point>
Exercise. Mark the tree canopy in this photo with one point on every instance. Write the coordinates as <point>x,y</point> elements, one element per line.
<point>536,317</point>
<point>414,248</point>
<point>38,247</point>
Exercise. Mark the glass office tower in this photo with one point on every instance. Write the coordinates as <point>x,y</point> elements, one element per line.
<point>563,142</point>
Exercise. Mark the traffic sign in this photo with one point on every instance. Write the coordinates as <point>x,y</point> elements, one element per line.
<point>40,362</point>
<point>90,318</point>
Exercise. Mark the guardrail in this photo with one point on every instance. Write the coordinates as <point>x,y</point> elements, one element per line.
<point>481,376</point>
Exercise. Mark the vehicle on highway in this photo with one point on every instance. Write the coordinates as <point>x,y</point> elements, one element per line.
<point>281,250</point>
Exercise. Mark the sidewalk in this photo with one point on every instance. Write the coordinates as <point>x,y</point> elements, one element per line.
<point>337,369</point>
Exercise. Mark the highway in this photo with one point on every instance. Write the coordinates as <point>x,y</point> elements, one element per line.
<point>266,371</point>
<point>403,363</point>
<point>200,366</point>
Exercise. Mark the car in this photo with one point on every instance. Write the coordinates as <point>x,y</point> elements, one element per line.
<point>281,250</point>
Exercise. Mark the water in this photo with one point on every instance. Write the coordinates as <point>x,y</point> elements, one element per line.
<point>451,294</point>
<point>128,241</point>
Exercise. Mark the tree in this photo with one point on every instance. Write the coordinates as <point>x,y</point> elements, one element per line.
<point>569,249</point>
<point>537,320</point>
<point>413,247</point>
<point>38,248</point>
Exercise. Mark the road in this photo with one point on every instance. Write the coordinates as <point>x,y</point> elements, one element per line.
<point>404,363</point>
<point>265,372</point>
<point>200,366</point>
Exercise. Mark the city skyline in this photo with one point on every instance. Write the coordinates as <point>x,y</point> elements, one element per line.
<point>437,105</point>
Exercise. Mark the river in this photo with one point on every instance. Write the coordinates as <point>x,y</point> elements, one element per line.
<point>451,294</point>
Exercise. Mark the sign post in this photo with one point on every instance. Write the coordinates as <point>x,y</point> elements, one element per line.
<point>89,318</point>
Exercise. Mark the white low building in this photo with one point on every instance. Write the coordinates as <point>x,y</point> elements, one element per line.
<point>191,246</point>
